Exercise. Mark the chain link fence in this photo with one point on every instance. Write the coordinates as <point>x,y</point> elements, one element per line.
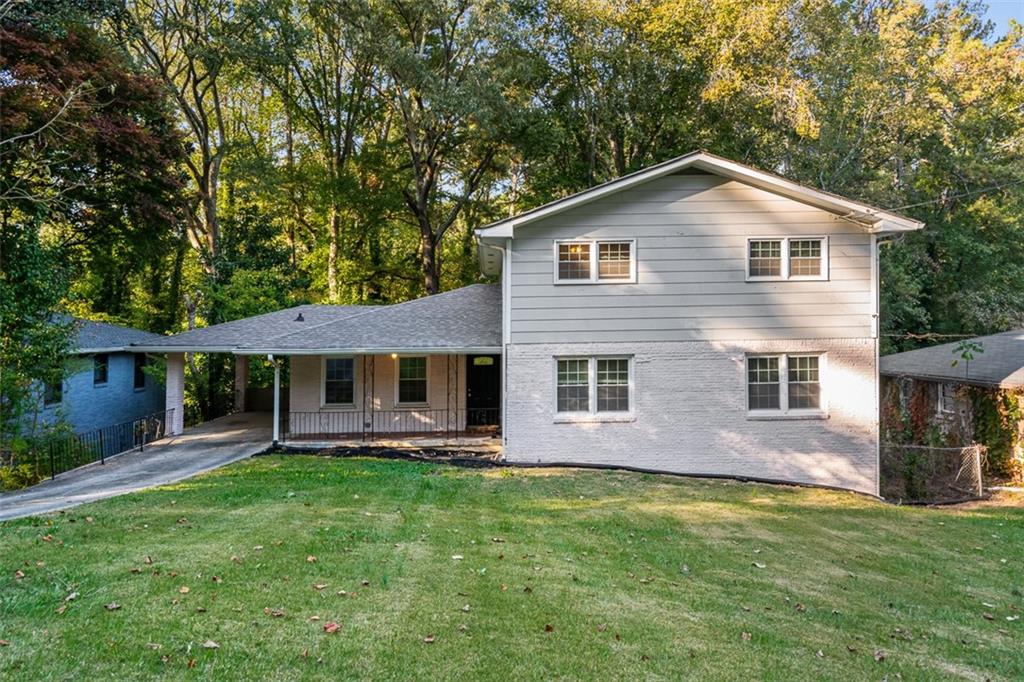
<point>921,474</point>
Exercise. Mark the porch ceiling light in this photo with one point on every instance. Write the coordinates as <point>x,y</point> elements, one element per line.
<point>394,356</point>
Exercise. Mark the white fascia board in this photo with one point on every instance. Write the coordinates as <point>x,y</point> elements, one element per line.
<point>105,349</point>
<point>181,349</point>
<point>470,350</point>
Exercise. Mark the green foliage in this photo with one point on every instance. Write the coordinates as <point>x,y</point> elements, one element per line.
<point>18,476</point>
<point>997,422</point>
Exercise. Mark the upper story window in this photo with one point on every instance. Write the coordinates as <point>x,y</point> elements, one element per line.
<point>139,375</point>
<point>779,258</point>
<point>595,261</point>
<point>412,380</point>
<point>339,381</point>
<point>784,384</point>
<point>100,364</point>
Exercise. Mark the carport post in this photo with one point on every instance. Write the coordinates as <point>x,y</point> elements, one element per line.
<point>277,398</point>
<point>175,396</point>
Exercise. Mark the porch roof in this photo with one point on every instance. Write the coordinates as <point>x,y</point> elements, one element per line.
<point>463,320</point>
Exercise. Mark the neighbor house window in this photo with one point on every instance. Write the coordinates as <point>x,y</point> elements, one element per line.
<point>787,258</point>
<point>784,384</point>
<point>593,385</point>
<point>139,377</point>
<point>595,261</point>
<point>412,380</point>
<point>947,399</point>
<point>53,393</point>
<point>100,364</point>
<point>339,381</point>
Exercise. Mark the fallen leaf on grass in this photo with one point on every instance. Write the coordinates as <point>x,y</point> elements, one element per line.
<point>236,559</point>
<point>497,539</point>
<point>47,538</point>
<point>463,627</point>
<point>879,655</point>
<point>217,579</point>
<point>154,646</point>
<point>800,607</point>
<point>183,589</point>
<point>319,586</point>
<point>429,639</point>
<point>988,616</point>
<point>62,608</point>
<point>1012,618</point>
<point>311,559</point>
<point>466,608</point>
<point>757,565</point>
<point>364,583</point>
<point>71,597</point>
<point>745,636</point>
<point>148,560</point>
<point>88,519</point>
<point>4,642</point>
<point>275,613</point>
<point>112,606</point>
<point>602,627</point>
<point>527,589</point>
<point>549,628</point>
<point>331,626</point>
<point>19,574</point>
<point>210,644</point>
<point>456,557</point>
<point>200,609</point>
<point>182,520</point>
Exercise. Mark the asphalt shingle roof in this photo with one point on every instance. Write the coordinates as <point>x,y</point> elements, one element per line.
<point>94,336</point>
<point>469,317</point>
<point>258,329</point>
<point>1000,364</point>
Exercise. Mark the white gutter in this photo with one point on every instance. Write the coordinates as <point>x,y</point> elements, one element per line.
<point>469,350</point>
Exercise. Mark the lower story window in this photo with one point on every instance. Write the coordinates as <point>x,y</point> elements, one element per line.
<point>339,381</point>
<point>412,380</point>
<point>593,385</point>
<point>784,383</point>
<point>53,392</point>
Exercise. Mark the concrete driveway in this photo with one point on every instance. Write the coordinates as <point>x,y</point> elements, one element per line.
<point>203,448</point>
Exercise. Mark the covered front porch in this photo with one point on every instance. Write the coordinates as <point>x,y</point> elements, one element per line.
<point>437,398</point>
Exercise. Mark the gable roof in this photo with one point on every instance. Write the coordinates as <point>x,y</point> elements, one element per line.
<point>1001,364</point>
<point>463,320</point>
<point>873,218</point>
<point>103,337</point>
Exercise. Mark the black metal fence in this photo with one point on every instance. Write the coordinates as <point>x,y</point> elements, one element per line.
<point>389,424</point>
<point>56,454</point>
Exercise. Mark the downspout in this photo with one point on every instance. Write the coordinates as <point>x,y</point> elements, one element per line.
<point>877,242</point>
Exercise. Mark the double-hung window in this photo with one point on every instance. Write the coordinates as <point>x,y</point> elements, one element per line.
<point>100,363</point>
<point>794,258</point>
<point>412,380</point>
<point>946,399</point>
<point>593,385</point>
<point>339,381</point>
<point>785,384</point>
<point>595,261</point>
<point>53,393</point>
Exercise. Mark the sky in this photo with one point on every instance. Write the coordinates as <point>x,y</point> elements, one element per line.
<point>1001,11</point>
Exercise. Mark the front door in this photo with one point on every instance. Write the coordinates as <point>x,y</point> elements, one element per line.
<point>483,390</point>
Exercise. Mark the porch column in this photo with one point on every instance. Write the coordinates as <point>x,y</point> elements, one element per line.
<point>241,381</point>
<point>175,396</point>
<point>277,398</point>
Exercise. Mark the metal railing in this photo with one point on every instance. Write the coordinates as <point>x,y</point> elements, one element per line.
<point>389,424</point>
<point>54,455</point>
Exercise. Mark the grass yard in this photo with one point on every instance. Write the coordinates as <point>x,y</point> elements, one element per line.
<point>433,571</point>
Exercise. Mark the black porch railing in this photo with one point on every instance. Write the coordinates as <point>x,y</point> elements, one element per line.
<point>54,455</point>
<point>390,424</point>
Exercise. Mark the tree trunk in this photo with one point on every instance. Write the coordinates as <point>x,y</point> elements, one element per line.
<point>430,263</point>
<point>332,257</point>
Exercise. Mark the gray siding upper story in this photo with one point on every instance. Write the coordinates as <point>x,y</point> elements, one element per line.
<point>691,233</point>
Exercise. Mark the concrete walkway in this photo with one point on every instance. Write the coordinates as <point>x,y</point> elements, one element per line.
<point>203,448</point>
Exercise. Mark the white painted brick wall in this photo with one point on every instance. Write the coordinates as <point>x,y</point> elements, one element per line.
<point>691,417</point>
<point>175,391</point>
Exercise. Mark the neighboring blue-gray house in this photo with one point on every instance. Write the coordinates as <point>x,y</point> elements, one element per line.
<point>105,385</point>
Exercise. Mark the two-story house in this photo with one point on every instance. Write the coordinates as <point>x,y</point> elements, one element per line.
<point>699,317</point>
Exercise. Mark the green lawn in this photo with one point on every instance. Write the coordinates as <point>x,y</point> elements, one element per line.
<point>514,574</point>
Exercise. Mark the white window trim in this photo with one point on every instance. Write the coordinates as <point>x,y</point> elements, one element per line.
<point>943,409</point>
<point>425,403</point>
<point>785,276</point>
<point>323,381</point>
<point>594,244</point>
<point>592,415</point>
<point>784,412</point>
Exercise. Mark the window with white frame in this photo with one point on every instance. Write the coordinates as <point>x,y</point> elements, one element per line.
<point>582,262</point>
<point>787,258</point>
<point>339,381</point>
<point>946,399</point>
<point>784,384</point>
<point>412,380</point>
<point>593,385</point>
